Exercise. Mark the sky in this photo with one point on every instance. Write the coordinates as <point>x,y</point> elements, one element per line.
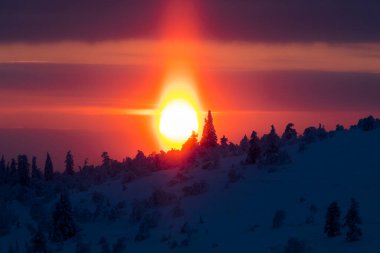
<point>88,75</point>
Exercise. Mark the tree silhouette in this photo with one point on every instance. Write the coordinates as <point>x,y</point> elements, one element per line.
<point>36,173</point>
<point>191,143</point>
<point>69,162</point>
<point>209,138</point>
<point>332,226</point>
<point>48,171</point>
<point>352,220</point>
<point>64,227</point>
<point>254,150</point>
<point>106,160</point>
<point>290,134</point>
<point>23,169</point>
<point>244,143</point>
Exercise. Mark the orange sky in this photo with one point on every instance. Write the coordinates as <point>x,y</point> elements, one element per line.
<point>111,88</point>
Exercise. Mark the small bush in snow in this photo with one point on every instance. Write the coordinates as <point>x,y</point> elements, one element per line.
<point>119,246</point>
<point>195,189</point>
<point>161,198</point>
<point>294,246</point>
<point>7,219</point>
<point>149,222</point>
<point>138,210</point>
<point>177,211</point>
<point>278,218</point>
<point>82,247</point>
<point>104,245</point>
<point>187,230</point>
<point>234,176</point>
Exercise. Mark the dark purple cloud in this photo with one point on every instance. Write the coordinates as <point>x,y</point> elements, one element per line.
<point>229,90</point>
<point>261,20</point>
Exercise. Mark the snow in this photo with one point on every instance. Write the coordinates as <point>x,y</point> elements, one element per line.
<point>238,216</point>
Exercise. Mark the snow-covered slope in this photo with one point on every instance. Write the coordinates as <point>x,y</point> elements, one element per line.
<point>237,216</point>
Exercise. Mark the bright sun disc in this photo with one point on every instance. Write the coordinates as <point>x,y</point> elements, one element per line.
<point>177,121</point>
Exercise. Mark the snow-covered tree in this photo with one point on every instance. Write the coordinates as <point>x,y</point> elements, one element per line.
<point>321,132</point>
<point>38,243</point>
<point>191,143</point>
<point>190,148</point>
<point>352,220</point>
<point>254,150</point>
<point>64,227</point>
<point>48,170</point>
<point>272,154</point>
<point>244,144</point>
<point>309,135</point>
<point>367,124</point>
<point>36,173</point>
<point>69,163</point>
<point>224,142</point>
<point>209,138</point>
<point>23,169</point>
<point>332,226</point>
<point>290,134</point>
<point>106,160</point>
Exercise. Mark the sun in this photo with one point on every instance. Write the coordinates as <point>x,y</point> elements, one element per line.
<point>177,121</point>
<point>178,112</point>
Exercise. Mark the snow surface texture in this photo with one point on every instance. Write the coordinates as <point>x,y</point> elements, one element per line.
<point>261,209</point>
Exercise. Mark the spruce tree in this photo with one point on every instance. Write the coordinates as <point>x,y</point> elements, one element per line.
<point>106,160</point>
<point>38,243</point>
<point>23,169</point>
<point>36,173</point>
<point>352,220</point>
<point>3,170</point>
<point>69,162</point>
<point>209,138</point>
<point>254,150</point>
<point>332,226</point>
<point>272,147</point>
<point>290,134</point>
<point>191,143</point>
<point>64,227</point>
<point>48,171</point>
<point>244,144</point>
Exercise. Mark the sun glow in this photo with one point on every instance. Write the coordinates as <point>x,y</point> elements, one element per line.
<point>178,113</point>
<point>178,119</point>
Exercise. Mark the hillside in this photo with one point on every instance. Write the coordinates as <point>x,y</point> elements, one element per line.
<point>226,213</point>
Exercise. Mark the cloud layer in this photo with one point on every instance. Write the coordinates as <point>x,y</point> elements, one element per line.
<point>260,21</point>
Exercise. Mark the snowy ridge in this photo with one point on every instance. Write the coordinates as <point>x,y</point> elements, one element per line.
<point>227,213</point>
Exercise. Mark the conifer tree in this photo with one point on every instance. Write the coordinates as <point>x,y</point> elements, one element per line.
<point>209,138</point>
<point>244,144</point>
<point>224,142</point>
<point>64,227</point>
<point>2,164</point>
<point>3,170</point>
<point>254,150</point>
<point>352,220</point>
<point>290,134</point>
<point>272,147</point>
<point>49,170</point>
<point>191,143</point>
<point>332,226</point>
<point>23,169</point>
<point>69,162</point>
<point>106,160</point>
<point>36,173</point>
<point>38,243</point>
